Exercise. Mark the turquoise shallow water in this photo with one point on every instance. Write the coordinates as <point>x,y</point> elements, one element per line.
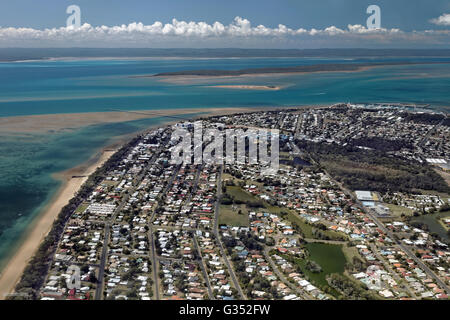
<point>100,85</point>
<point>27,162</point>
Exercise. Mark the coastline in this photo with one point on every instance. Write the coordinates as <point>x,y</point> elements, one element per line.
<point>43,222</point>
<point>54,123</point>
<point>186,79</point>
<point>206,79</point>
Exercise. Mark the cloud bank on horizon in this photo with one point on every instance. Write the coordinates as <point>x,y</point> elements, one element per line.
<point>239,33</point>
<point>443,20</point>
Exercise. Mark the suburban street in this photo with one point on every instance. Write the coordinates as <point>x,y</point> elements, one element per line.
<point>219,241</point>
<point>302,294</point>
<point>381,225</point>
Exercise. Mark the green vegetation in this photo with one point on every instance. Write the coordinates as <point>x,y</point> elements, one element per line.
<point>233,215</point>
<point>380,144</point>
<point>399,210</point>
<point>238,195</point>
<point>442,216</point>
<point>245,201</point>
<point>373,169</point>
<point>34,274</point>
<point>307,230</point>
<point>351,253</point>
<point>426,118</point>
<point>331,67</point>
<point>432,223</point>
<point>350,289</point>
<point>81,208</point>
<point>329,257</point>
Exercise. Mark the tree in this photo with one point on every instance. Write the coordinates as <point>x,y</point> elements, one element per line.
<point>92,277</point>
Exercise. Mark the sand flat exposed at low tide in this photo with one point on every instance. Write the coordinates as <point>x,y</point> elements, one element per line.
<point>13,270</point>
<point>66,121</point>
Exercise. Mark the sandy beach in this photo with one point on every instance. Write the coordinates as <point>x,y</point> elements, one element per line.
<point>204,79</point>
<point>69,185</point>
<point>69,121</point>
<point>41,226</point>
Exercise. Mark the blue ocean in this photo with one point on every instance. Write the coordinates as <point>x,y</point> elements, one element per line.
<point>28,161</point>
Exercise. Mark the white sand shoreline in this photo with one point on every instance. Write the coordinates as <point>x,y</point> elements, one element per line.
<point>42,224</point>
<point>68,121</point>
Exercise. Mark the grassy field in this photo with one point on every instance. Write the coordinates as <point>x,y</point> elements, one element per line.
<point>398,210</point>
<point>227,176</point>
<point>293,218</point>
<point>81,207</point>
<point>237,193</point>
<point>350,253</point>
<point>110,183</point>
<point>231,217</point>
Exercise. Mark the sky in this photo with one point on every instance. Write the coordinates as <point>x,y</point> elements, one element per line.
<point>231,23</point>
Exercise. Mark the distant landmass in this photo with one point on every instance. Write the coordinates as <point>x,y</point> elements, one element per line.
<point>20,54</point>
<point>297,69</point>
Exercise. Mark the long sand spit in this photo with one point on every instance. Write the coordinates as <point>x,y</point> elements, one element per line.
<point>69,121</point>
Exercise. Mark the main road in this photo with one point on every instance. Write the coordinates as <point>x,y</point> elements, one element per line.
<point>219,241</point>
<point>382,227</point>
<point>152,238</point>
<point>203,267</point>
<point>136,181</point>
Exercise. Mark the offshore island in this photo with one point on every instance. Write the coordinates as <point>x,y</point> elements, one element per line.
<point>358,209</point>
<point>329,67</point>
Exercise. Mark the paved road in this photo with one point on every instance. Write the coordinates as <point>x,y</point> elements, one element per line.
<point>166,189</point>
<point>380,224</point>
<point>390,234</point>
<point>299,124</point>
<point>429,133</point>
<point>137,180</point>
<point>411,255</point>
<point>194,185</point>
<point>153,256</point>
<point>101,269</point>
<point>194,238</point>
<point>154,264</point>
<point>203,267</point>
<point>219,241</point>
<point>301,293</point>
<point>392,272</point>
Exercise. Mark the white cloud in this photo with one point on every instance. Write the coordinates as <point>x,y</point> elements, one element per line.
<point>240,31</point>
<point>443,20</point>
